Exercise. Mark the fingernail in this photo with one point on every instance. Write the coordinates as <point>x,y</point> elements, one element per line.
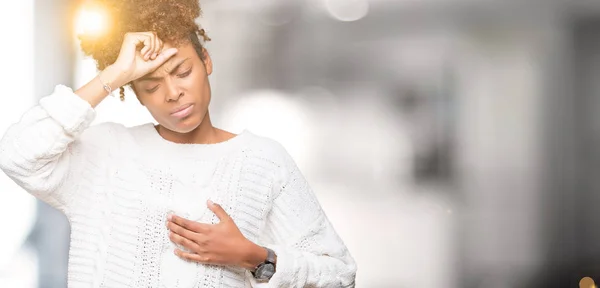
<point>210,202</point>
<point>170,217</point>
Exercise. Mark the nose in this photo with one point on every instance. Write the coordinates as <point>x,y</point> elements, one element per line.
<point>173,92</point>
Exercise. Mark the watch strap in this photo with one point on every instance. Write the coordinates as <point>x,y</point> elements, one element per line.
<point>269,261</point>
<point>270,256</point>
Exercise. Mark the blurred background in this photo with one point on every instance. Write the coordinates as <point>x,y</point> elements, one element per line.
<point>452,143</point>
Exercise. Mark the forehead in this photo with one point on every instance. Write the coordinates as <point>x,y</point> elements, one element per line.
<point>184,50</point>
<point>185,53</point>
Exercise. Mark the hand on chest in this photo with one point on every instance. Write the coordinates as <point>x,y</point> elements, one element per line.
<point>180,188</point>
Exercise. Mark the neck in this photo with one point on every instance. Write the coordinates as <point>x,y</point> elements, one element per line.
<point>205,133</point>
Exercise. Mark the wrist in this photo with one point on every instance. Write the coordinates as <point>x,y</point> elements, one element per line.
<point>253,256</point>
<point>113,77</point>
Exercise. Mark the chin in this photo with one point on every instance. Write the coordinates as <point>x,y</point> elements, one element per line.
<point>186,125</point>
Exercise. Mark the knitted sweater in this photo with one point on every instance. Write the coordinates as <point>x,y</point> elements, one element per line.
<point>116,185</point>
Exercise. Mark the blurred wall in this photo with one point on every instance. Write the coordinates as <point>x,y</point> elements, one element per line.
<point>53,64</point>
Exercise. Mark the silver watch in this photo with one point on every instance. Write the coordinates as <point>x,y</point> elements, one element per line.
<point>266,270</point>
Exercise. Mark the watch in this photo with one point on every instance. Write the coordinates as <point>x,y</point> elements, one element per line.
<point>265,270</point>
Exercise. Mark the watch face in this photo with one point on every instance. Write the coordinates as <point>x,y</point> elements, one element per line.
<point>265,272</point>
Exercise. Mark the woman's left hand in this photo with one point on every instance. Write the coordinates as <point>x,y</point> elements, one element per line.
<point>218,244</point>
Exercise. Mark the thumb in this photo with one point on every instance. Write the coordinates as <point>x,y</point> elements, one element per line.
<point>218,210</point>
<point>163,57</point>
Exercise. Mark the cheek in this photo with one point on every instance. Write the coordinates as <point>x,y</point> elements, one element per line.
<point>155,106</point>
<point>197,87</point>
<point>193,81</point>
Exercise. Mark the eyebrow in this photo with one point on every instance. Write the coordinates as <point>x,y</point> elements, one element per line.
<point>156,78</point>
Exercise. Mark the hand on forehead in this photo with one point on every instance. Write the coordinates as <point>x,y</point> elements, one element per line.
<point>180,58</point>
<point>169,67</point>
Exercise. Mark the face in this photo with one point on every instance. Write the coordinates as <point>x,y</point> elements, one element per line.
<point>177,94</point>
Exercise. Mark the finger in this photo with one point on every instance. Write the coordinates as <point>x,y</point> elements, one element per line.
<point>131,42</point>
<point>152,38</point>
<point>163,57</point>
<point>190,225</point>
<point>157,47</point>
<point>153,45</point>
<point>148,42</point>
<point>218,210</point>
<point>145,40</point>
<point>161,45</point>
<point>192,257</point>
<point>187,243</point>
<point>181,231</point>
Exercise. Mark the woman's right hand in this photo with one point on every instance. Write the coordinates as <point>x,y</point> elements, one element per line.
<point>141,53</point>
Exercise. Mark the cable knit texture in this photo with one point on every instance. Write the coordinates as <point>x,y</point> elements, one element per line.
<point>116,185</point>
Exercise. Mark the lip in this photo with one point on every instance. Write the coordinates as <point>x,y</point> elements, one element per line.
<point>182,111</point>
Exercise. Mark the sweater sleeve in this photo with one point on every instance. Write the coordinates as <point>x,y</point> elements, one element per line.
<point>309,251</point>
<point>36,152</point>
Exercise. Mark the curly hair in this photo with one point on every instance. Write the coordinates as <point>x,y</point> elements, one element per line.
<point>173,21</point>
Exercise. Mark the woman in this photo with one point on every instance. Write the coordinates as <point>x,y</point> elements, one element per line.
<point>120,186</point>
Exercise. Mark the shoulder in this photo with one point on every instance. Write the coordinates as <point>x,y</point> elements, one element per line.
<point>267,148</point>
<point>103,132</point>
<point>271,153</point>
<point>107,136</point>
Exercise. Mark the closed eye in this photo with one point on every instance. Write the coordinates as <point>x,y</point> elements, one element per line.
<point>153,89</point>
<point>184,74</point>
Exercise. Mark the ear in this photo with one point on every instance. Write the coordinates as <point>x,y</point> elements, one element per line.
<point>207,61</point>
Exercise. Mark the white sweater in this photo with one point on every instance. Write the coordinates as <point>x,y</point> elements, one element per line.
<point>116,186</point>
